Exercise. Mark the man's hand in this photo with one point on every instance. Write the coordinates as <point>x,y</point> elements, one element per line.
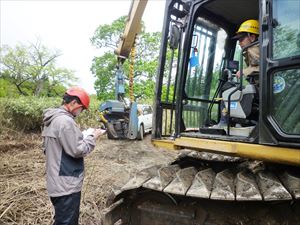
<point>238,74</point>
<point>98,132</point>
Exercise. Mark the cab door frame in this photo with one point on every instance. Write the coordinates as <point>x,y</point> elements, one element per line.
<point>270,130</point>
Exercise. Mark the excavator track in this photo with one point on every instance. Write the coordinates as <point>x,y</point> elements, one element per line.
<point>208,189</point>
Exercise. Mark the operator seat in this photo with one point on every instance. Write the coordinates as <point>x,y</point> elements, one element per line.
<point>244,104</point>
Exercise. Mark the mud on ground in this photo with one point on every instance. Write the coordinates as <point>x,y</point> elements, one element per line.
<point>24,198</point>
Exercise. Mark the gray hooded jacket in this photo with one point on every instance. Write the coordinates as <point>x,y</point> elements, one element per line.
<point>65,148</point>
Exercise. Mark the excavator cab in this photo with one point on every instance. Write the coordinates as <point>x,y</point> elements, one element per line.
<point>239,175</point>
<point>261,107</point>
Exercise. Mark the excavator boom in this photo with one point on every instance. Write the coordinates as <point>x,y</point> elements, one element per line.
<point>132,28</point>
<point>121,119</point>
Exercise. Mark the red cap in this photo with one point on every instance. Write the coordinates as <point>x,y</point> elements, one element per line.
<point>81,94</point>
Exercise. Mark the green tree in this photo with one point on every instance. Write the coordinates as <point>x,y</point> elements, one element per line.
<point>103,68</point>
<point>14,64</point>
<point>106,38</point>
<point>32,69</point>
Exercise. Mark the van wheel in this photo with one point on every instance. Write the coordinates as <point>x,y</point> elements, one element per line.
<point>140,135</point>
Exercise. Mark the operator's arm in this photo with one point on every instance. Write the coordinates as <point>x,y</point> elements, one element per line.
<point>253,60</point>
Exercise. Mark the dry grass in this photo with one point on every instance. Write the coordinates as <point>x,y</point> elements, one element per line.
<point>22,189</point>
<point>24,198</point>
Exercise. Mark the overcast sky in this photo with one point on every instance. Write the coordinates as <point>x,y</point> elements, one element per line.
<point>68,25</point>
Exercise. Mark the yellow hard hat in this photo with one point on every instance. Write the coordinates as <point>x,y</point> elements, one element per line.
<point>249,26</point>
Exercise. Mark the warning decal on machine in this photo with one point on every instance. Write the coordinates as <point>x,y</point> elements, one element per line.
<point>233,105</point>
<point>278,84</point>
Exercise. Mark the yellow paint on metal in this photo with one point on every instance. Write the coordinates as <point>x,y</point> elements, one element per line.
<point>212,145</point>
<point>102,118</point>
<point>132,28</point>
<point>167,144</point>
<point>275,154</point>
<point>253,151</point>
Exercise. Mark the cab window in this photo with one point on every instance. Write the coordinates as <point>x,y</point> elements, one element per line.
<point>286,28</point>
<point>285,105</point>
<point>206,54</point>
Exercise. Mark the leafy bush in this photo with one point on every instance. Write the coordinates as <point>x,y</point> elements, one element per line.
<point>25,113</point>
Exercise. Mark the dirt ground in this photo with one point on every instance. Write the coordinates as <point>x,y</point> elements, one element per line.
<point>23,194</point>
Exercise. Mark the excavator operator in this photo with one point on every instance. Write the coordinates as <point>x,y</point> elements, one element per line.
<point>247,33</point>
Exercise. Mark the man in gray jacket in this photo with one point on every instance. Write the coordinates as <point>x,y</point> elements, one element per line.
<point>65,147</point>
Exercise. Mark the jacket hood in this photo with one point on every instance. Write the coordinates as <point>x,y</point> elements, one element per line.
<point>51,113</point>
